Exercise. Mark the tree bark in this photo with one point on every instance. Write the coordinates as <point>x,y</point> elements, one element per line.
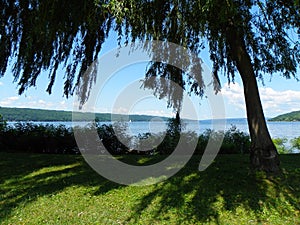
<point>263,153</point>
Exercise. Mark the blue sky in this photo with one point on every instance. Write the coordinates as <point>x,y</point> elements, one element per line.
<point>278,95</point>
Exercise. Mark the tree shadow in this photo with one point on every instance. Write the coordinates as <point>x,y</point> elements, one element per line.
<point>227,185</point>
<point>25,177</point>
<point>197,197</point>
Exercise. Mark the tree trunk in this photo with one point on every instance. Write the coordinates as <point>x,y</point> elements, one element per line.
<point>263,153</point>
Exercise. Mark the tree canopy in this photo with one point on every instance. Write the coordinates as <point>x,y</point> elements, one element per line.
<point>266,27</point>
<point>40,35</point>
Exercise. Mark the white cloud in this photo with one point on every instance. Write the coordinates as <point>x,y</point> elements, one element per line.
<point>43,104</point>
<point>274,102</point>
<point>280,101</point>
<point>13,98</point>
<point>9,101</point>
<point>234,94</point>
<point>32,102</point>
<point>39,104</point>
<point>1,83</point>
<point>64,106</point>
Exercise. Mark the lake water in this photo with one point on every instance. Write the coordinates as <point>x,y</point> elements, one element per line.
<point>287,130</point>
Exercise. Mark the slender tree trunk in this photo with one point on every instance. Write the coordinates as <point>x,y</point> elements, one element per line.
<point>263,153</point>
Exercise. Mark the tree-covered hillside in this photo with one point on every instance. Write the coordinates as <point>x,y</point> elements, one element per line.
<point>292,116</point>
<point>27,114</point>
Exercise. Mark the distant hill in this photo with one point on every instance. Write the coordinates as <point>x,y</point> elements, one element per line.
<point>292,116</point>
<point>27,114</point>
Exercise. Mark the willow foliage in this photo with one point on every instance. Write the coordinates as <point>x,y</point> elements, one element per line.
<point>41,35</point>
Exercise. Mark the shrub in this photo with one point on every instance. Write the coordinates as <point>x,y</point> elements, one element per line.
<point>147,143</point>
<point>37,138</point>
<point>296,143</point>
<point>3,123</point>
<point>3,126</point>
<point>170,141</point>
<point>238,141</point>
<point>234,142</point>
<point>114,138</point>
<point>280,144</point>
<point>29,137</point>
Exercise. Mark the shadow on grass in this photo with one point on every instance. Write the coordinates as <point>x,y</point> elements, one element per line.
<point>25,177</point>
<point>196,197</point>
<point>226,186</point>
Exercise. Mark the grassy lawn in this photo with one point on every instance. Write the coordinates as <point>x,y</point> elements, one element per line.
<point>63,189</point>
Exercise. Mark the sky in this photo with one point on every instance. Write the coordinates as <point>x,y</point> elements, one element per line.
<point>278,95</point>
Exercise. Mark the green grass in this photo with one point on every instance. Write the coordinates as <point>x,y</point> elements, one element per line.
<point>63,189</point>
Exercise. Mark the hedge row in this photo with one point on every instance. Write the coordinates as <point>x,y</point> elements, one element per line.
<point>38,138</point>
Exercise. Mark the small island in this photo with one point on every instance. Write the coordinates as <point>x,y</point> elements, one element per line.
<point>288,117</point>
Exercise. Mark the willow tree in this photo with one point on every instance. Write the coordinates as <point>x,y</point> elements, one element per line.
<point>251,38</point>
<point>248,37</point>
